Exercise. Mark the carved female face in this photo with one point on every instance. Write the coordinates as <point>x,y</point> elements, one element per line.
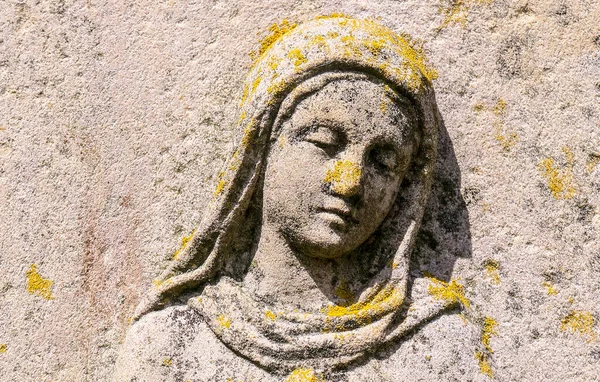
<point>335,170</point>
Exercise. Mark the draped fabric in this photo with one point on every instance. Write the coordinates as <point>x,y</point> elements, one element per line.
<point>282,341</point>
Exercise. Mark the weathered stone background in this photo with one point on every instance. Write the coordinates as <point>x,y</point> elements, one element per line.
<point>115,117</point>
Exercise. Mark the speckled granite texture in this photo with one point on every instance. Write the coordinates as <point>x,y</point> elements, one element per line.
<point>116,118</point>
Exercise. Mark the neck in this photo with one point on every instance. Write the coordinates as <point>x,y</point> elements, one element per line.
<point>286,277</point>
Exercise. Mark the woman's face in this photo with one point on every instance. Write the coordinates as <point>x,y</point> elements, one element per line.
<point>334,172</point>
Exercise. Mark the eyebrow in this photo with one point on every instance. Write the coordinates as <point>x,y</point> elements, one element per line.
<point>304,128</point>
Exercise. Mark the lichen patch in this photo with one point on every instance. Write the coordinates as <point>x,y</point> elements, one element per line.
<point>344,176</point>
<point>36,284</point>
<point>297,56</point>
<point>455,12</point>
<point>224,322</point>
<point>492,269</point>
<point>304,375</point>
<point>451,292</point>
<point>550,289</point>
<point>343,292</point>
<point>270,315</point>
<point>184,243</point>
<point>275,32</point>
<point>579,321</point>
<point>592,162</point>
<point>363,311</point>
<point>485,365</point>
<point>487,331</point>
<point>560,181</point>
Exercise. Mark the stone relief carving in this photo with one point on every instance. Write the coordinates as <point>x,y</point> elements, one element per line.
<point>301,265</point>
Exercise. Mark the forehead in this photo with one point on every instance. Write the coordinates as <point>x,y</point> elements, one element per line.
<point>358,107</point>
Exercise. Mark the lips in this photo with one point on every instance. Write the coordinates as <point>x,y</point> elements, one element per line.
<point>341,209</point>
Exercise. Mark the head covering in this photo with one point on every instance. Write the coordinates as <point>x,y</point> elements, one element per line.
<point>303,59</point>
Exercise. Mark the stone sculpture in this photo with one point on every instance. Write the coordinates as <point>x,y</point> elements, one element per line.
<point>299,269</point>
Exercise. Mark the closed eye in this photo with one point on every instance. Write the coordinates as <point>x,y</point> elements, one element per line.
<point>324,138</point>
<point>384,158</point>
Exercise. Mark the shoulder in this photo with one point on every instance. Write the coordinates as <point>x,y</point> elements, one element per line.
<point>151,342</point>
<point>443,349</point>
<point>174,344</point>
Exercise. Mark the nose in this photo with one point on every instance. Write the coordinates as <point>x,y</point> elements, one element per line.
<point>344,178</point>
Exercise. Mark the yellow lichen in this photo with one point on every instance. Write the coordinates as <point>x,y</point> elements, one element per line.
<point>344,177</point>
<point>549,288</point>
<point>506,141</point>
<point>273,62</point>
<point>235,161</point>
<point>319,41</point>
<point>158,283</point>
<point>488,330</point>
<point>281,141</point>
<point>3,348</point>
<point>492,268</point>
<point>221,183</point>
<point>276,87</point>
<point>333,15</point>
<point>247,134</point>
<point>451,292</point>
<point>579,321</point>
<point>375,46</point>
<point>245,94</point>
<point>381,38</point>
<point>304,375</point>
<point>383,105</point>
<point>344,293</point>
<point>479,107</point>
<point>270,315</point>
<point>297,56</point>
<point>275,32</point>
<point>184,243</point>
<point>569,155</point>
<point>255,84</point>
<point>560,181</point>
<point>484,363</point>
<point>168,362</point>
<point>378,39</point>
<point>456,11</point>
<point>224,322</point>
<point>500,108</point>
<point>592,162</point>
<point>485,206</point>
<point>340,336</point>
<point>220,186</point>
<point>415,56</point>
<point>364,310</point>
<point>242,116</point>
<point>36,284</point>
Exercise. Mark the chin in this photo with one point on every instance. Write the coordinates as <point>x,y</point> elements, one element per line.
<point>325,243</point>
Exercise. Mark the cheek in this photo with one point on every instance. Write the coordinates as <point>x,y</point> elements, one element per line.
<point>292,180</point>
<point>379,194</point>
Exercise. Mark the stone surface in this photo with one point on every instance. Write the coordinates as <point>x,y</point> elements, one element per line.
<point>115,120</point>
